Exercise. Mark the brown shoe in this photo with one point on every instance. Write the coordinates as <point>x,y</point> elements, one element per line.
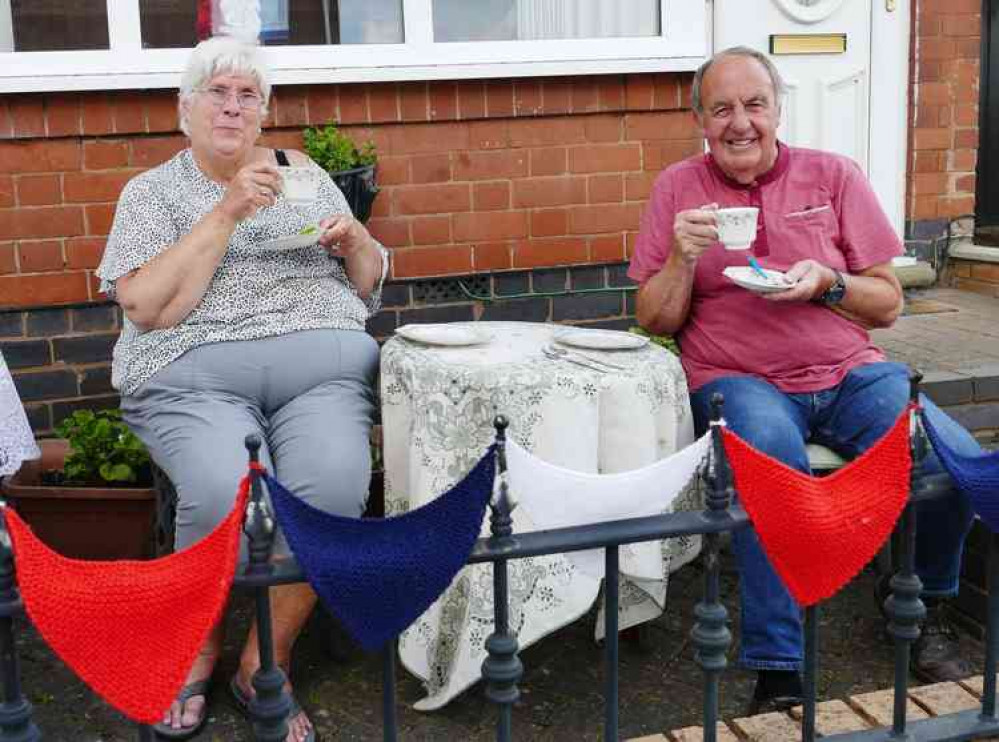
<point>936,656</point>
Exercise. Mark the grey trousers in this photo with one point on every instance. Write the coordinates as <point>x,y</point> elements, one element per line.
<point>309,396</point>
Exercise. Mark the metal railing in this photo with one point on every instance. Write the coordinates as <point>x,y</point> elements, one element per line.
<point>502,668</point>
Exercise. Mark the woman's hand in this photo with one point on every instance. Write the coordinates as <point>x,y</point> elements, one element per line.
<point>254,187</point>
<point>343,236</point>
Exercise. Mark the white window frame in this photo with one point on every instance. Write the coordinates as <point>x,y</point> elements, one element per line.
<point>682,45</point>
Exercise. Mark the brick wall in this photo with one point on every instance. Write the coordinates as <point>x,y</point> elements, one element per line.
<point>943,136</point>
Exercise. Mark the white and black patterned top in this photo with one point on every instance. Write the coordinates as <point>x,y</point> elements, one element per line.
<point>17,442</point>
<point>256,291</point>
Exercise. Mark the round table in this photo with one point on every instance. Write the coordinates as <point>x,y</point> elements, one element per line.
<point>438,406</point>
<point>17,443</point>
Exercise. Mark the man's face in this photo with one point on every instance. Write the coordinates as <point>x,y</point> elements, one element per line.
<point>740,117</point>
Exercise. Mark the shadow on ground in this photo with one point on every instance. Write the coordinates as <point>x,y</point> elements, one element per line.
<point>562,687</point>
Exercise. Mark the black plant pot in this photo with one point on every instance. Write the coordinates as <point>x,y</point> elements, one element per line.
<point>359,188</point>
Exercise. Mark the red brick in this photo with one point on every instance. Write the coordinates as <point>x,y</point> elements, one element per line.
<point>383,102</point>
<point>96,111</point>
<point>353,104</point>
<point>927,161</point>
<point>414,103</point>
<point>966,139</point>
<point>90,187</point>
<point>929,71</point>
<point>936,48</point>
<point>431,168</point>
<point>8,264</point>
<point>491,226</point>
<point>925,207</point>
<point>99,218</point>
<point>390,232</point>
<point>432,199</point>
<point>584,97</point>
<point>6,125</point>
<point>968,48</point>
<point>958,159</point>
<point>686,89</point>
<point>431,230</point>
<point>28,115</point>
<point>499,98</point>
<point>40,256</point>
<point>323,104</point>
<point>604,128</point>
<point>605,158</point>
<point>929,183</point>
<point>605,188</point>
<point>490,165</point>
<point>493,196</point>
<point>610,92</point>
<point>558,191</point>
<point>443,101</point>
<point>638,186</point>
<point>549,161</point>
<point>383,206</point>
<point>537,253</point>
<point>412,262</point>
<point>84,252</point>
<point>609,218</point>
<point>931,138</point>
<point>291,108</point>
<point>161,112</point>
<point>527,97</point>
<point>42,289</point>
<point>535,132</point>
<point>657,155</point>
<point>557,96</point>
<point>128,112</point>
<point>148,152</point>
<point>665,92</point>
<point>105,154</point>
<point>607,249</point>
<point>933,92</point>
<point>6,191</point>
<point>956,206</point>
<point>62,115</point>
<point>418,138</point>
<point>549,222</point>
<point>492,256</point>
<point>39,190</point>
<point>660,125</point>
<point>489,134</point>
<point>638,91</point>
<point>41,221</point>
<point>928,116</point>
<point>393,170</point>
<point>471,99</point>
<point>964,184</point>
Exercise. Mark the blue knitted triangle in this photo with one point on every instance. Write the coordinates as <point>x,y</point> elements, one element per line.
<point>976,476</point>
<point>377,576</point>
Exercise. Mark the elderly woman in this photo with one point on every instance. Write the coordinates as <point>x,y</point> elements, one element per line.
<point>227,334</point>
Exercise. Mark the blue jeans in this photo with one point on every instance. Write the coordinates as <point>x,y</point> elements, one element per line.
<point>847,418</point>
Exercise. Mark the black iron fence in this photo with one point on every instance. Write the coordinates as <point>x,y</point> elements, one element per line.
<point>502,668</point>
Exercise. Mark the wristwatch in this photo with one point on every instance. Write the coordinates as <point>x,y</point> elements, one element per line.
<point>834,294</point>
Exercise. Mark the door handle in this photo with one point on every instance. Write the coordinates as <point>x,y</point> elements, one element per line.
<point>891,5</point>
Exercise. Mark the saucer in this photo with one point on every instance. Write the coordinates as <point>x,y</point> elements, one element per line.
<point>593,339</point>
<point>452,335</point>
<point>743,275</point>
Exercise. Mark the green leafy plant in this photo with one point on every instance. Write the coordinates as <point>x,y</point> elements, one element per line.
<point>665,341</point>
<point>102,449</point>
<point>335,151</point>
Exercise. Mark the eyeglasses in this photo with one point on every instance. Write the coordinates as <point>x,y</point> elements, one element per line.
<point>218,95</point>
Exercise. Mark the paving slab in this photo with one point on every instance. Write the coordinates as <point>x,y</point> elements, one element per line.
<point>878,707</point>
<point>833,717</point>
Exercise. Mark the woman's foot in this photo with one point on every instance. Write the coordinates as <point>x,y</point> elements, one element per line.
<point>299,725</point>
<point>188,712</point>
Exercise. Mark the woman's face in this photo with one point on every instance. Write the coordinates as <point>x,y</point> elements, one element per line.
<point>224,116</point>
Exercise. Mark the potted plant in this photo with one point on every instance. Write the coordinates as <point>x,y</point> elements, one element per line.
<point>91,494</point>
<point>352,168</point>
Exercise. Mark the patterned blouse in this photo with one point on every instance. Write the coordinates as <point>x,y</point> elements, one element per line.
<point>257,291</point>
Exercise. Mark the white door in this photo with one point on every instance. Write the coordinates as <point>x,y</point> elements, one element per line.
<point>833,102</point>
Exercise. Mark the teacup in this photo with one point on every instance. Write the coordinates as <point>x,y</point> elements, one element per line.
<point>301,184</point>
<point>737,227</point>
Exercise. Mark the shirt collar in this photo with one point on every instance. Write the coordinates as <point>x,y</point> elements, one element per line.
<point>778,169</point>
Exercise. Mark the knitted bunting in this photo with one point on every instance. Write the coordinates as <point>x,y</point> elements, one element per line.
<point>976,476</point>
<point>820,532</point>
<point>131,630</point>
<point>377,576</point>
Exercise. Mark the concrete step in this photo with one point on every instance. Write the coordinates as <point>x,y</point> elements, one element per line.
<point>915,274</point>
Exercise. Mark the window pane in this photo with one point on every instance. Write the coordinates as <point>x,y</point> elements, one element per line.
<point>53,25</point>
<point>181,23</point>
<point>507,20</point>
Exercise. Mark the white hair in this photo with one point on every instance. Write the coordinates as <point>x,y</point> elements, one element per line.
<point>217,56</point>
<point>736,51</point>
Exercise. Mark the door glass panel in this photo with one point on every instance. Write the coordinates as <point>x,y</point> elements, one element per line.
<point>182,23</point>
<point>509,20</point>
<point>53,25</point>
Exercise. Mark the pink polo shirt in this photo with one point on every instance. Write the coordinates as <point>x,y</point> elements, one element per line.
<point>812,205</point>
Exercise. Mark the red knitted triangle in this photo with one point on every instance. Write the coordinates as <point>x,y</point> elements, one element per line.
<point>131,630</point>
<point>819,533</point>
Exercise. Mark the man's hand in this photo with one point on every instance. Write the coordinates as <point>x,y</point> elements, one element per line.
<point>810,279</point>
<point>694,231</point>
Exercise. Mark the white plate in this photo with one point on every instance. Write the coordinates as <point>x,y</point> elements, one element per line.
<point>746,277</point>
<point>601,339</point>
<point>455,335</point>
<point>292,241</point>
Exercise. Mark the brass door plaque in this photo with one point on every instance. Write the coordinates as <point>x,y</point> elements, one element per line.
<point>808,43</point>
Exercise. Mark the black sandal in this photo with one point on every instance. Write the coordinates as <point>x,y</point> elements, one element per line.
<point>197,688</point>
<point>243,700</point>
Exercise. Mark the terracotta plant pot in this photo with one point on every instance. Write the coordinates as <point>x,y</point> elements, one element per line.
<point>83,522</point>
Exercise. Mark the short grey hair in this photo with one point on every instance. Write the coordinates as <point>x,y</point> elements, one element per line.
<point>217,56</point>
<point>736,51</point>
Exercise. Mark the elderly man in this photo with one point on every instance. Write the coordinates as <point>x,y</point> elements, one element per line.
<point>796,365</point>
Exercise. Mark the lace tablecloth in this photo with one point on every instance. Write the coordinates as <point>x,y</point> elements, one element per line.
<point>438,405</point>
<point>17,443</point>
